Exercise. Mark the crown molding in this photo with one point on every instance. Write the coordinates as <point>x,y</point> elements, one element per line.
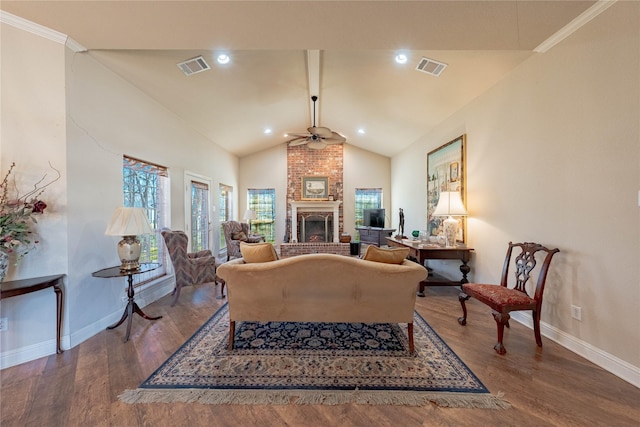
<point>573,26</point>
<point>39,30</point>
<point>74,45</point>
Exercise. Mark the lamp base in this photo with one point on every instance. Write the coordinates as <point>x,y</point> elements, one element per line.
<point>129,250</point>
<point>450,226</point>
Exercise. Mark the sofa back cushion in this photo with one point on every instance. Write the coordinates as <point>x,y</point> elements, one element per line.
<point>258,252</point>
<point>388,256</point>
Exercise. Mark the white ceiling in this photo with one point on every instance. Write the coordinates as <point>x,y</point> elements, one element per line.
<point>267,82</point>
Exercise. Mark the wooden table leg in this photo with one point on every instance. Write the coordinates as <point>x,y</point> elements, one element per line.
<point>132,307</point>
<point>59,305</point>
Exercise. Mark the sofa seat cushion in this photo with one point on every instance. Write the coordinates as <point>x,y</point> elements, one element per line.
<point>258,252</point>
<point>388,256</point>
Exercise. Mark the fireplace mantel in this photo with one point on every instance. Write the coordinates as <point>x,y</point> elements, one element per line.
<point>315,206</point>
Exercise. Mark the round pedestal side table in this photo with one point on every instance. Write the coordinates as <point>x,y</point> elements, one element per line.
<point>132,306</point>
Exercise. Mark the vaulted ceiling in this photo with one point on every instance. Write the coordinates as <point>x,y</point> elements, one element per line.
<point>270,79</point>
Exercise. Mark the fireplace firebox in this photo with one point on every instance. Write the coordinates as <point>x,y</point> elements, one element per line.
<point>315,228</point>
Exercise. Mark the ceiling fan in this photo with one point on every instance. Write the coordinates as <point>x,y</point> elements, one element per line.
<point>318,137</point>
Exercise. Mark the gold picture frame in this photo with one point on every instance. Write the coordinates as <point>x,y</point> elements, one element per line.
<point>446,171</point>
<point>315,188</point>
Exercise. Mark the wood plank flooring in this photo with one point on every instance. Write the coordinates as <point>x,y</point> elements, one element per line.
<point>546,387</point>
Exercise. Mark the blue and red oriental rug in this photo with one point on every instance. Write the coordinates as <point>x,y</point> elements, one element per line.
<point>314,363</point>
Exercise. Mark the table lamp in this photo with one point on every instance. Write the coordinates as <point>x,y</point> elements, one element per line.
<point>249,214</point>
<point>450,204</point>
<point>129,223</point>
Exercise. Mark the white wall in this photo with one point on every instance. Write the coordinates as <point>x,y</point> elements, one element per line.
<point>266,169</point>
<point>364,169</point>
<point>84,132</point>
<point>553,156</point>
<point>32,135</point>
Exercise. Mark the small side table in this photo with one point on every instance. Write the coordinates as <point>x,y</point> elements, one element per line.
<point>132,306</point>
<point>25,286</point>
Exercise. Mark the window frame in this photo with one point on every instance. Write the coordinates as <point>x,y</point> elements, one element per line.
<point>157,178</point>
<point>265,221</point>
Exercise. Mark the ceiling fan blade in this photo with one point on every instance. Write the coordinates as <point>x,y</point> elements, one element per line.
<point>317,145</point>
<point>335,138</point>
<point>298,135</point>
<point>320,131</point>
<point>297,141</point>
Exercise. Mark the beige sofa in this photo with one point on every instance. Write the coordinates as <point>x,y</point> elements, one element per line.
<point>322,288</point>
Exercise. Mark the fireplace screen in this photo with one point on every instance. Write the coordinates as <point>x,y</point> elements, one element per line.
<point>316,228</point>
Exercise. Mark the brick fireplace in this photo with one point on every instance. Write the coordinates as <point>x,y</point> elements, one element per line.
<point>304,162</point>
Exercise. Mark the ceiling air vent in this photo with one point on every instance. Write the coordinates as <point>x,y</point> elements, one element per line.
<point>194,65</point>
<point>431,66</point>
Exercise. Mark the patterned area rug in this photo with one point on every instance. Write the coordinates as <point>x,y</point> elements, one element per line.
<point>314,363</point>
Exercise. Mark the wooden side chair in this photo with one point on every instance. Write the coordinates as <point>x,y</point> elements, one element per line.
<point>503,299</point>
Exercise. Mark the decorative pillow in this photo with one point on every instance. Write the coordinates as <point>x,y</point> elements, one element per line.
<point>239,235</point>
<point>388,256</point>
<point>258,252</point>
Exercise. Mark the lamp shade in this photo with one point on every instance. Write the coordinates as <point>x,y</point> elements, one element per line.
<point>450,203</point>
<point>249,215</point>
<point>128,222</point>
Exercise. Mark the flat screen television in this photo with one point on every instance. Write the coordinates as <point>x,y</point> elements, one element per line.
<point>373,218</point>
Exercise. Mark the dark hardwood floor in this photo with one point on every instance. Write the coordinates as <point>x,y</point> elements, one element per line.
<point>546,387</point>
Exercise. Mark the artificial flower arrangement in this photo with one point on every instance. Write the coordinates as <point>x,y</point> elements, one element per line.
<point>18,214</point>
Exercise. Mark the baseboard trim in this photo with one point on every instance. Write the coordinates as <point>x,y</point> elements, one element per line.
<point>606,361</point>
<point>144,296</point>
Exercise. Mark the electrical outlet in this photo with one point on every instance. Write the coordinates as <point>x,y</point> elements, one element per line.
<point>576,312</point>
<point>4,323</point>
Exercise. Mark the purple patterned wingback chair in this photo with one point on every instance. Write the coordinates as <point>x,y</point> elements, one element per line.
<point>236,232</point>
<point>190,268</point>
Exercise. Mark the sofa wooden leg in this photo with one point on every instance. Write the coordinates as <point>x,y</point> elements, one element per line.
<point>410,335</point>
<point>232,331</point>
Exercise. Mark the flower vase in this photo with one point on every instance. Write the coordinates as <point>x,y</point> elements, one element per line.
<point>4,265</point>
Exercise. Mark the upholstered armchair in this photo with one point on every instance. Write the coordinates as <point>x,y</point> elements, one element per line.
<point>190,268</point>
<point>236,232</point>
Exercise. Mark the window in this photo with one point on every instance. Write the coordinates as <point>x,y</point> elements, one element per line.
<point>225,210</point>
<point>367,198</point>
<point>263,203</point>
<point>146,185</point>
<point>199,216</point>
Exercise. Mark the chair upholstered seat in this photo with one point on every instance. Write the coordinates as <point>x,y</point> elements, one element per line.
<point>499,298</point>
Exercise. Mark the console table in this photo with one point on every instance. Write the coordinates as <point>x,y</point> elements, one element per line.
<point>422,252</point>
<point>132,307</point>
<point>25,286</point>
<point>374,235</point>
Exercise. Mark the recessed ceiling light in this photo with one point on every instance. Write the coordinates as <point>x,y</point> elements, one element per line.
<point>401,58</point>
<point>361,131</point>
<point>267,131</point>
<point>223,58</point>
